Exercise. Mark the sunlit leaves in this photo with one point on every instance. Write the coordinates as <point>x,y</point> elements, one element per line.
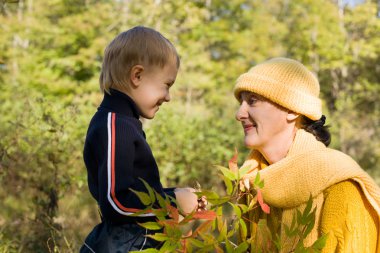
<point>151,225</point>
<point>263,206</point>
<point>217,229</point>
<point>53,49</point>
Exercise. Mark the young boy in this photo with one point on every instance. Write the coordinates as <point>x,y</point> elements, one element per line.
<point>139,67</point>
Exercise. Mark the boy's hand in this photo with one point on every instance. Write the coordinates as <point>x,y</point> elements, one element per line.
<point>188,201</point>
<point>202,203</point>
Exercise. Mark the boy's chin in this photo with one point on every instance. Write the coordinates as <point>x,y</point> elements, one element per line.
<point>150,114</point>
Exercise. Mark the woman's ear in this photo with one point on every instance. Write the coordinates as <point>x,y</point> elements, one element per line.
<point>135,75</point>
<point>292,116</point>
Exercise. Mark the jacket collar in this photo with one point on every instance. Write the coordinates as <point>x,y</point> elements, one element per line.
<point>120,102</point>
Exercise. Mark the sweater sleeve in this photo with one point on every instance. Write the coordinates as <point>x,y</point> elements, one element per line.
<point>348,219</point>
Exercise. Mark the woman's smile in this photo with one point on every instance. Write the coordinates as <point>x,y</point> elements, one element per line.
<point>248,127</point>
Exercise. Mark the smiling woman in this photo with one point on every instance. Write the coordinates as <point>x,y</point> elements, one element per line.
<point>281,115</point>
<point>266,125</point>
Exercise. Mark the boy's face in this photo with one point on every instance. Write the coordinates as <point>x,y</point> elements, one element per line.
<point>153,88</point>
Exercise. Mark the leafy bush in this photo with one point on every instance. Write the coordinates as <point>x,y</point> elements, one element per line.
<point>223,228</point>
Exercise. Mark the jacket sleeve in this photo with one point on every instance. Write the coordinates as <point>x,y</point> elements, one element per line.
<point>349,221</point>
<point>116,154</point>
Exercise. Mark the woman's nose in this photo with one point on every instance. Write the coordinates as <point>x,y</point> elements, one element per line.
<point>241,113</point>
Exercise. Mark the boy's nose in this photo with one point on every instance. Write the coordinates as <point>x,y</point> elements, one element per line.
<point>167,97</point>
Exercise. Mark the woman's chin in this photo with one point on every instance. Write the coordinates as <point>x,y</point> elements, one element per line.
<point>251,144</point>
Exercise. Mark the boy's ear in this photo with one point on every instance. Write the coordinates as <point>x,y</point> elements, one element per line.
<point>292,116</point>
<point>135,75</point>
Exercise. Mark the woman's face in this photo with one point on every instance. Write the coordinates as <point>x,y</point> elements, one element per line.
<point>265,124</point>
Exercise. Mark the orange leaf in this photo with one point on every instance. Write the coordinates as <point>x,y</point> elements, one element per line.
<point>184,243</point>
<point>206,215</point>
<point>263,206</point>
<point>171,223</point>
<point>232,164</point>
<point>173,212</point>
<point>204,226</point>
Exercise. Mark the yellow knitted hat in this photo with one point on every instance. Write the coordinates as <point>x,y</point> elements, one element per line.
<point>285,82</point>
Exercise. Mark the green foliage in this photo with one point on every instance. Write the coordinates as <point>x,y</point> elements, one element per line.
<point>39,138</point>
<point>223,228</point>
<point>301,226</point>
<point>7,245</point>
<point>50,57</point>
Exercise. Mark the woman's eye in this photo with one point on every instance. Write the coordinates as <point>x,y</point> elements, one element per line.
<point>252,100</point>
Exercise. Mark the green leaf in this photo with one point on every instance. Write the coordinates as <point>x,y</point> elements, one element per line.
<point>169,246</point>
<point>237,210</point>
<point>203,227</point>
<point>229,186</point>
<point>209,194</point>
<point>150,191</point>
<point>223,232</point>
<point>257,179</point>
<point>196,243</point>
<point>159,237</point>
<point>186,219</point>
<point>232,231</point>
<point>227,173</point>
<point>188,246</point>
<point>243,229</point>
<point>308,229</point>
<point>229,247</point>
<point>299,217</point>
<point>244,208</point>
<point>151,225</point>
<point>243,171</point>
<point>145,251</point>
<point>252,203</point>
<point>220,201</point>
<point>144,197</point>
<point>287,230</point>
<point>320,243</point>
<point>219,211</point>
<point>169,199</point>
<point>160,213</point>
<point>292,226</point>
<point>242,247</point>
<point>309,204</point>
<point>161,201</point>
<point>310,217</point>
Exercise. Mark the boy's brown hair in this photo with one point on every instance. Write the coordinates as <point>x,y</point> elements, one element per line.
<point>139,45</point>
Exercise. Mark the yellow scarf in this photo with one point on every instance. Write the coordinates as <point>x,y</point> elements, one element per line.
<point>309,168</point>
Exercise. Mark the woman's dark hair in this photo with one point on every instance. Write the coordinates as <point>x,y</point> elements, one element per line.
<point>318,129</point>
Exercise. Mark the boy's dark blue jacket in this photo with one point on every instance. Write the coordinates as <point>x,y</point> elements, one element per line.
<point>116,155</point>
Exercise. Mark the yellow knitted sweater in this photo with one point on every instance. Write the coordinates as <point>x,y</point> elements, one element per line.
<point>346,199</point>
<point>348,219</point>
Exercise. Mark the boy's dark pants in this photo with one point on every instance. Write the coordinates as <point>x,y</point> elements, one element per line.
<point>111,238</point>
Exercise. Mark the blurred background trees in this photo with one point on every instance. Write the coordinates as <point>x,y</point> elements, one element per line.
<point>50,57</point>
